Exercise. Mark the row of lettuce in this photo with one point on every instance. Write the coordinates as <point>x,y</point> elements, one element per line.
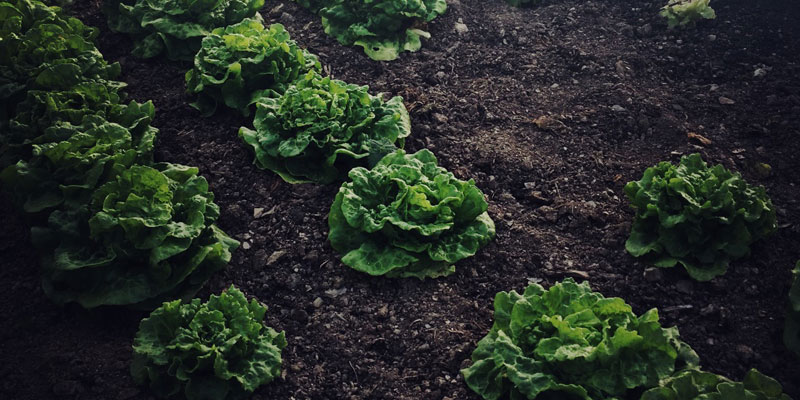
<point>400,214</point>
<point>383,28</point>
<point>113,227</point>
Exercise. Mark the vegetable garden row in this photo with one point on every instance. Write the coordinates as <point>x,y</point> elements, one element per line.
<point>122,230</point>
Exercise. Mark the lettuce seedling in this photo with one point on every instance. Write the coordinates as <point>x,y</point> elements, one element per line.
<point>240,63</point>
<point>146,235</point>
<point>791,332</point>
<point>175,27</point>
<point>408,217</point>
<point>384,28</point>
<point>67,162</point>
<point>697,216</point>
<point>686,12</point>
<point>321,128</point>
<point>571,342</point>
<point>218,350</point>
<point>699,385</point>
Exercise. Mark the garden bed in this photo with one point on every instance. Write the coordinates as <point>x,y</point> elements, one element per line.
<point>551,110</point>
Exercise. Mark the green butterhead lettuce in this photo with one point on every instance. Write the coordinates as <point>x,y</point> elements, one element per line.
<point>699,385</point>
<point>218,350</point>
<point>145,236</point>
<point>408,217</point>
<point>43,50</point>
<point>569,342</point>
<point>701,217</point>
<point>686,12</point>
<point>239,63</point>
<point>384,28</point>
<point>791,332</point>
<point>67,162</point>
<point>321,128</point>
<point>175,27</point>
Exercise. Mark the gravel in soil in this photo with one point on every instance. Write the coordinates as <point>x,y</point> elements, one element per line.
<point>551,110</point>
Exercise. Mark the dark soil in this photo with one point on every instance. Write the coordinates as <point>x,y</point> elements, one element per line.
<point>618,91</point>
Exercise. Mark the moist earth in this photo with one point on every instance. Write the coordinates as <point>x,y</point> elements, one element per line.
<point>551,110</point>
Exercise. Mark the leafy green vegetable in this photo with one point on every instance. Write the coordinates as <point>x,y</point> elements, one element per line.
<point>685,12</point>
<point>43,109</point>
<point>699,385</point>
<point>207,351</point>
<point>69,161</point>
<point>384,28</point>
<point>239,63</point>
<point>175,27</point>
<point>146,235</point>
<point>41,50</point>
<point>568,342</point>
<point>408,217</point>
<point>320,128</point>
<point>791,333</point>
<point>697,216</point>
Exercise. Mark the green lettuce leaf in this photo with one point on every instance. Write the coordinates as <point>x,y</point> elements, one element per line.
<point>207,351</point>
<point>42,50</point>
<point>699,385</point>
<point>67,162</point>
<point>696,216</point>
<point>687,12</point>
<point>384,28</point>
<point>321,128</point>
<point>569,342</point>
<point>241,62</point>
<point>145,236</point>
<point>175,27</point>
<point>408,217</point>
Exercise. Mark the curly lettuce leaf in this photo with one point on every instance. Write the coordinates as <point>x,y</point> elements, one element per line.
<point>239,63</point>
<point>700,385</point>
<point>145,236</point>
<point>408,217</point>
<point>67,162</point>
<point>698,216</point>
<point>321,128</point>
<point>207,351</point>
<point>687,12</point>
<point>175,28</point>
<point>43,50</point>
<point>571,342</point>
<point>384,28</point>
